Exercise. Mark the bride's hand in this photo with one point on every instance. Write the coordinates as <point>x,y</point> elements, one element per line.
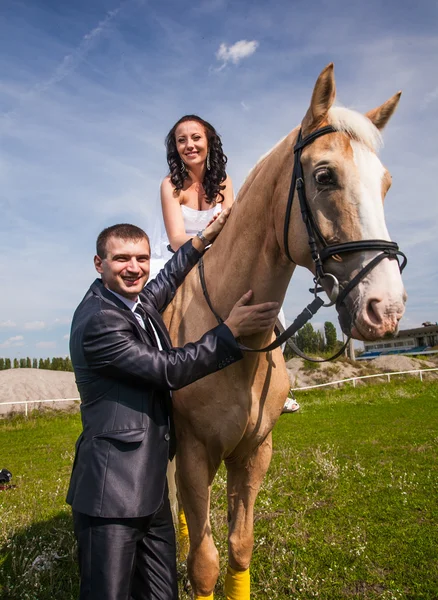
<point>216,225</point>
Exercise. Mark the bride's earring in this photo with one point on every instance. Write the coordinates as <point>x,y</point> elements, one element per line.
<point>208,161</point>
<point>183,168</point>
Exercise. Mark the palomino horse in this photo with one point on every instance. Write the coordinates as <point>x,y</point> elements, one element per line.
<point>229,416</point>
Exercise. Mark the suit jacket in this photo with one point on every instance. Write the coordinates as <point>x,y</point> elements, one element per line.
<point>124,381</point>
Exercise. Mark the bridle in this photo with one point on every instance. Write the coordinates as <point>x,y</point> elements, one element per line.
<point>338,293</point>
<point>389,249</point>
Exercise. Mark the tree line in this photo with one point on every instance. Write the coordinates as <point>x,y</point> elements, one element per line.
<point>315,341</point>
<point>57,363</point>
<point>307,339</point>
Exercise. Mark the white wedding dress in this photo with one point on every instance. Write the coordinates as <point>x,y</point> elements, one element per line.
<point>194,221</point>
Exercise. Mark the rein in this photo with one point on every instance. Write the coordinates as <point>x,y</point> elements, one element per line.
<point>389,250</point>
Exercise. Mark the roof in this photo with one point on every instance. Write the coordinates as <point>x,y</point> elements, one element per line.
<point>427,330</point>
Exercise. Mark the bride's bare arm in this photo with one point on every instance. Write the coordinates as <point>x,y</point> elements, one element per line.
<point>172,216</point>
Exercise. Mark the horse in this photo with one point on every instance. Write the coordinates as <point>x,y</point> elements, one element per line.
<point>229,416</point>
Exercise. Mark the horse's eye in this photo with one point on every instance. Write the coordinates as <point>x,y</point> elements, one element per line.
<point>324,176</point>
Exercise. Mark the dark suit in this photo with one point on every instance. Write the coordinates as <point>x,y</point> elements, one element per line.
<point>119,471</point>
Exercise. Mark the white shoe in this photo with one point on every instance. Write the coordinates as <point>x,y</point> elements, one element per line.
<point>290,406</point>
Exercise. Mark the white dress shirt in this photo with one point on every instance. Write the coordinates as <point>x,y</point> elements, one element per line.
<point>132,305</point>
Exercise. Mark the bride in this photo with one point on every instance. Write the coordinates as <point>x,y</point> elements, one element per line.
<point>195,191</point>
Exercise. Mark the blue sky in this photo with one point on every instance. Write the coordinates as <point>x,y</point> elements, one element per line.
<point>90,89</point>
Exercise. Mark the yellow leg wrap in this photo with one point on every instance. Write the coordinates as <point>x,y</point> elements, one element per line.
<point>183,537</point>
<point>210,597</point>
<point>237,584</point>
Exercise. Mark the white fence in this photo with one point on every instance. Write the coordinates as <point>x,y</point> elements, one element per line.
<point>26,403</point>
<point>354,379</point>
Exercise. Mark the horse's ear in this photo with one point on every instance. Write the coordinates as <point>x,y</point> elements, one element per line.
<point>380,116</point>
<point>323,96</point>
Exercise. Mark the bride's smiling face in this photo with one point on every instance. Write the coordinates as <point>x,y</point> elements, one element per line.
<point>191,143</point>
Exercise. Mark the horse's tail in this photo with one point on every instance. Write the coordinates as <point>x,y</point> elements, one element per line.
<point>171,482</point>
<point>179,518</point>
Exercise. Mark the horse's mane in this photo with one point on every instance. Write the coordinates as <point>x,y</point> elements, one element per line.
<point>256,168</point>
<point>356,125</point>
<point>346,120</point>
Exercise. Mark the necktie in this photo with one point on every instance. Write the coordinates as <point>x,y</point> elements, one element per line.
<point>141,311</point>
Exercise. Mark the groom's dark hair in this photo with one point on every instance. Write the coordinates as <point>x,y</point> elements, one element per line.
<point>123,231</point>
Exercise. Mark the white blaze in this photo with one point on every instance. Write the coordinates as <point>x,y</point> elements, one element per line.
<point>384,279</point>
<point>371,172</point>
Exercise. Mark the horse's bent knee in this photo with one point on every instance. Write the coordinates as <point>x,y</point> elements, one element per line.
<point>240,551</point>
<point>203,567</point>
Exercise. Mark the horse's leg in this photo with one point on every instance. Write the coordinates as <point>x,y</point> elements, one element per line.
<point>195,474</point>
<point>244,481</point>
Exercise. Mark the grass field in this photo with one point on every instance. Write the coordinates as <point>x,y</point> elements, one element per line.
<point>348,510</point>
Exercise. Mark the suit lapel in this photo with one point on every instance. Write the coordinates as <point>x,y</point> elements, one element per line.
<point>100,290</point>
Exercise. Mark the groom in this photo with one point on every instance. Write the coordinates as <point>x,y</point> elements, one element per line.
<point>125,368</point>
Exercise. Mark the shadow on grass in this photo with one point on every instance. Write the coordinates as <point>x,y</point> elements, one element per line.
<point>39,562</point>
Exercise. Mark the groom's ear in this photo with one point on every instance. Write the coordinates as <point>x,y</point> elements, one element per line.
<point>98,264</point>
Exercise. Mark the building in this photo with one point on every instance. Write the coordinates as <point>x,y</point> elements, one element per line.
<point>421,340</point>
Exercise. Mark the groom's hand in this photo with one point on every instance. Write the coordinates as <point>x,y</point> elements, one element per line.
<point>248,319</point>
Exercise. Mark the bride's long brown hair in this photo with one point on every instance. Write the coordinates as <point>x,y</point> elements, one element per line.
<point>215,176</point>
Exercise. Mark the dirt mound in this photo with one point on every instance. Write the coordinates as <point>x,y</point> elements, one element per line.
<point>400,363</point>
<point>35,384</point>
<point>303,373</point>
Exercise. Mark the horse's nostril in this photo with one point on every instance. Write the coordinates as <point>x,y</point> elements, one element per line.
<point>374,312</point>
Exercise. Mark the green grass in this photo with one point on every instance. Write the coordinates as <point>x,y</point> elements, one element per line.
<point>348,508</point>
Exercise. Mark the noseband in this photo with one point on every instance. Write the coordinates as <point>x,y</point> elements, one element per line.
<point>338,294</point>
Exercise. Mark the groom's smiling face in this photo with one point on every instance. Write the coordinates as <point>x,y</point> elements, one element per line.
<point>125,268</point>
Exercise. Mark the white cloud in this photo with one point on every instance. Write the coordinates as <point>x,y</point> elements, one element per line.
<point>430,97</point>
<point>16,340</point>
<point>34,325</point>
<point>6,324</point>
<point>62,321</point>
<point>45,344</point>
<point>66,337</point>
<point>237,52</point>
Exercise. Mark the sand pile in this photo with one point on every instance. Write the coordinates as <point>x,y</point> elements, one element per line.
<point>400,363</point>
<point>35,384</point>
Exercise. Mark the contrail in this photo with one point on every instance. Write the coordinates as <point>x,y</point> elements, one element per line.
<point>74,59</point>
<point>70,62</point>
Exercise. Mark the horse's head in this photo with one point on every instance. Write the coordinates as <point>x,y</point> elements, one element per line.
<point>345,185</point>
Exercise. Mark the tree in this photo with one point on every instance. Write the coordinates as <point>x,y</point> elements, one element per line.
<point>7,363</point>
<point>2,364</point>
<point>16,364</point>
<point>319,341</point>
<point>28,363</point>
<point>305,338</point>
<point>22,363</point>
<point>330,336</point>
<point>40,364</point>
<point>34,363</point>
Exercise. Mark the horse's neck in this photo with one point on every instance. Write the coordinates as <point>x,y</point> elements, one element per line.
<point>246,255</point>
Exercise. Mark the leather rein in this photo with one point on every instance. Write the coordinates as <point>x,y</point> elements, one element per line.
<point>338,294</point>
